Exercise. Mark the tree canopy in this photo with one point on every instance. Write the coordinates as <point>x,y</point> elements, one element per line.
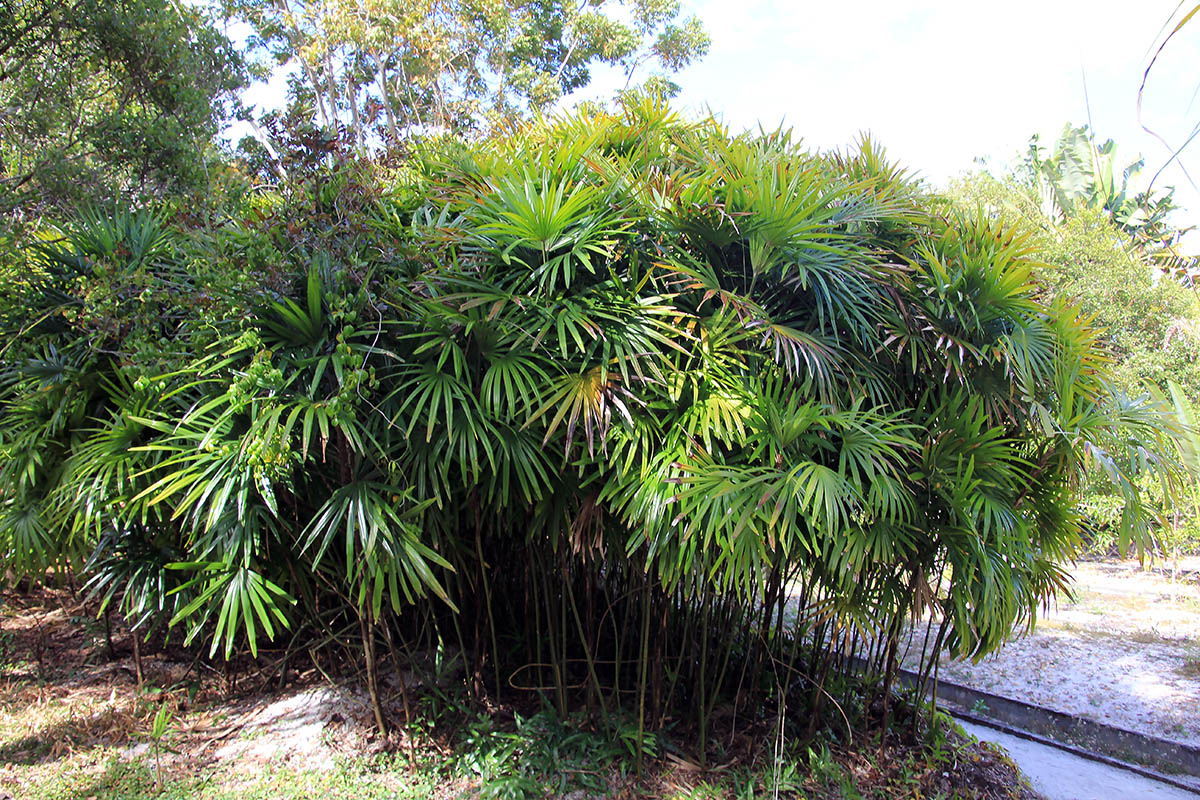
<point>383,70</point>
<point>100,99</point>
<point>1077,174</point>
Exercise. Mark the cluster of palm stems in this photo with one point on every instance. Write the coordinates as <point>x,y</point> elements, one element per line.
<point>627,412</point>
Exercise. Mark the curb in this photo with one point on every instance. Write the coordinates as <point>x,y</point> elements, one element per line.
<point>1170,762</point>
<point>1099,758</point>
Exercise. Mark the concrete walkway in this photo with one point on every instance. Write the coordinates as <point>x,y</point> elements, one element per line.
<point>1060,775</point>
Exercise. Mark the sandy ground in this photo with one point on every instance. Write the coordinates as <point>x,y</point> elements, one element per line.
<point>1125,651</point>
<point>61,693</point>
<point>297,725</point>
<point>1060,775</point>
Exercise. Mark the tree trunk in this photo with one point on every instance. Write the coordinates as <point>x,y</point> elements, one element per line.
<point>381,75</point>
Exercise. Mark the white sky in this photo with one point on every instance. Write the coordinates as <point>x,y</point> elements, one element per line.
<point>941,82</point>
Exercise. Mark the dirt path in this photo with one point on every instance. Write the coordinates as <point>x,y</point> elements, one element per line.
<point>1125,652</point>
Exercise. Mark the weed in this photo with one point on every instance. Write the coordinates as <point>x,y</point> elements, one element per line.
<point>940,748</point>
<point>826,770</point>
<point>701,791</point>
<point>546,753</point>
<point>511,787</point>
<point>161,720</point>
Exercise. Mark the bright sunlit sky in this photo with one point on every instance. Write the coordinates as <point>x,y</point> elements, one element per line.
<point>941,82</point>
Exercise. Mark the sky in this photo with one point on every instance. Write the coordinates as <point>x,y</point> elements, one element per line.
<point>941,83</point>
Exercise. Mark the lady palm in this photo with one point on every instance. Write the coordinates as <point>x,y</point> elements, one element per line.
<point>608,403</point>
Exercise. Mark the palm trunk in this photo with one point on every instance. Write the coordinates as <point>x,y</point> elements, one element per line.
<point>366,628</point>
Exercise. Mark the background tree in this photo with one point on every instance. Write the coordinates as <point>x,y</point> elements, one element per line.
<point>1076,174</point>
<point>380,70</point>
<point>100,98</point>
<point>1114,251</point>
<point>1109,244</point>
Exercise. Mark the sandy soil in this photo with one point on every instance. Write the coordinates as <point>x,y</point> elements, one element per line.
<point>301,725</point>
<point>61,692</point>
<point>1125,651</point>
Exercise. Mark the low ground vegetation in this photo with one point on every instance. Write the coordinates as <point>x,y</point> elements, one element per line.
<point>80,726</point>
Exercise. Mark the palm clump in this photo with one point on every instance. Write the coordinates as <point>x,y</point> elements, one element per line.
<point>627,411</point>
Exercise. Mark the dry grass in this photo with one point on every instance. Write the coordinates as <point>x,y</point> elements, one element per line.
<point>70,697</point>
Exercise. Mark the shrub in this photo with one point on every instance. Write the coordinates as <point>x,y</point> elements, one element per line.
<point>622,410</point>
